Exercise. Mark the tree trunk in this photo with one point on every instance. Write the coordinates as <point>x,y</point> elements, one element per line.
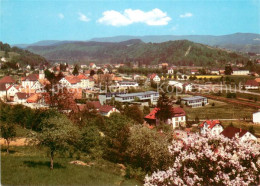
<point>52,155</point>
<point>7,150</point>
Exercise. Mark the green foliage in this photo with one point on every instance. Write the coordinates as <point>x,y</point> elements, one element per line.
<point>172,52</point>
<point>134,113</point>
<point>228,70</point>
<point>76,70</point>
<point>148,149</point>
<point>165,108</point>
<point>231,95</point>
<point>116,135</point>
<point>57,134</point>
<point>146,110</point>
<point>8,132</point>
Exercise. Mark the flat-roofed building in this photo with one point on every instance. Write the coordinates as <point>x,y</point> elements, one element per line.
<point>130,97</point>
<point>195,101</point>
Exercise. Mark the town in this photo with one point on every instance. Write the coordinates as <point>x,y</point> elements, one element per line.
<point>130,93</point>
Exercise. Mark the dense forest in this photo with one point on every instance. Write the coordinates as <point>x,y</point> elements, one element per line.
<point>20,56</point>
<point>181,52</point>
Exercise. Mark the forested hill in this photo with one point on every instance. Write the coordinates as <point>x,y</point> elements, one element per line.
<point>16,55</point>
<point>181,52</point>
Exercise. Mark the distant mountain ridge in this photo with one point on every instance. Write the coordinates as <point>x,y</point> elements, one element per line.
<point>239,42</point>
<point>179,52</point>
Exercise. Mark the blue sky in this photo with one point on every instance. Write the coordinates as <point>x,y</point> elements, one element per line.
<point>28,21</point>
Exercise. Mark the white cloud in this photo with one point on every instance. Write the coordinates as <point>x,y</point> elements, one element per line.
<point>155,17</point>
<point>61,16</point>
<point>186,15</point>
<point>83,17</point>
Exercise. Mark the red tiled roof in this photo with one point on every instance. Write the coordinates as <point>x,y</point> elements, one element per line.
<point>33,98</point>
<point>210,123</point>
<point>2,86</point>
<point>251,82</point>
<point>230,132</point>
<point>176,112</point>
<point>97,105</point>
<point>7,79</point>
<point>72,79</point>
<point>152,76</point>
<point>82,76</point>
<point>31,77</point>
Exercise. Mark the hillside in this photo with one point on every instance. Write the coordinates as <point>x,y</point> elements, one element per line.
<point>15,55</point>
<point>180,52</point>
<point>240,42</point>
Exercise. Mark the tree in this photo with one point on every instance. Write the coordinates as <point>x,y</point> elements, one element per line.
<point>92,72</point>
<point>147,149</point>
<point>116,135</point>
<point>164,106</point>
<point>210,160</point>
<point>134,113</point>
<point>99,71</point>
<point>251,130</point>
<point>76,70</point>
<point>8,132</point>
<point>57,134</point>
<point>6,54</point>
<point>228,70</point>
<point>146,110</point>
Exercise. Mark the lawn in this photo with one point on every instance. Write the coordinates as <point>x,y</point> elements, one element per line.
<point>221,110</point>
<point>30,166</point>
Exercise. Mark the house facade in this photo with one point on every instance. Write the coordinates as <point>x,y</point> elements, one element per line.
<point>177,119</point>
<point>195,101</point>
<point>256,117</point>
<point>213,126</point>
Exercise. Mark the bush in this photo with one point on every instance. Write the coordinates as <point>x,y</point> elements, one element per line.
<point>134,173</point>
<point>213,104</point>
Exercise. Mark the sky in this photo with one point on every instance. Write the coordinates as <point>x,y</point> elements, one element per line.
<point>29,21</point>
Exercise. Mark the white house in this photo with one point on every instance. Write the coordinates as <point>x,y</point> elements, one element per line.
<point>155,78</point>
<point>213,126</point>
<point>237,71</point>
<point>127,84</point>
<point>178,117</point>
<point>256,117</point>
<point>21,98</point>
<point>11,91</point>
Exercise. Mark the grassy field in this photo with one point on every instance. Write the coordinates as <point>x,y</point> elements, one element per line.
<point>221,110</point>
<point>29,166</point>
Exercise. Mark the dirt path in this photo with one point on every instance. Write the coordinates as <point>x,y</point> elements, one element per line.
<point>16,142</point>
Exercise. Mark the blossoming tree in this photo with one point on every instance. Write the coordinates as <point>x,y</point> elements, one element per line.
<point>210,160</point>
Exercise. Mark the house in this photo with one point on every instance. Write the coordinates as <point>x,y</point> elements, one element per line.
<point>251,84</point>
<point>11,91</point>
<point>177,119</point>
<point>170,70</point>
<point>257,80</point>
<point>7,80</point>
<point>150,96</point>
<point>195,101</point>
<point>194,71</point>
<point>237,71</point>
<point>21,97</point>
<point>105,110</point>
<point>215,71</point>
<point>29,81</point>
<point>214,127</point>
<point>187,87</point>
<point>155,78</point>
<point>256,117</point>
<point>92,65</point>
<point>176,84</point>
<point>243,134</point>
<point>127,84</point>
<point>163,65</point>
